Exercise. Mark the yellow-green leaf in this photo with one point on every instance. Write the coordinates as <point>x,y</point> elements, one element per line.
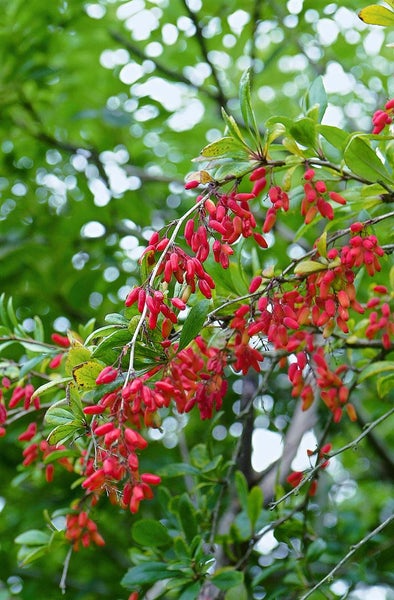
<point>85,374</point>
<point>322,245</point>
<point>221,147</point>
<point>309,266</point>
<point>377,15</point>
<point>75,356</point>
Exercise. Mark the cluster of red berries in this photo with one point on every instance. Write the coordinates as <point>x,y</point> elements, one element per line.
<point>80,529</point>
<point>315,198</point>
<point>384,117</point>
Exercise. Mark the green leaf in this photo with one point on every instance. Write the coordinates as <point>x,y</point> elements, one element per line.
<point>48,387</point>
<point>227,578</point>
<point>147,573</point>
<point>116,319</point>
<point>177,470</point>
<point>233,128</point>
<point>194,323</point>
<point>29,365</point>
<point>85,374</point>
<point>316,97</point>
<point>33,537</point>
<point>225,146</point>
<point>56,415</point>
<point>246,104</point>
<point>241,486</point>
<point>237,593</point>
<point>376,368</point>
<point>63,433</point>
<point>26,555</point>
<point>187,517</point>
<point>232,168</point>
<point>190,592</point>
<point>315,550</point>
<point>377,15</point>
<point>304,132</point>
<point>385,385</point>
<point>254,505</point>
<point>150,533</point>
<point>363,160</point>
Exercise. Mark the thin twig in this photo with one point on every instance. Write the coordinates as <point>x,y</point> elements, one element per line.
<point>352,551</point>
<point>152,277</point>
<point>62,584</point>
<point>310,474</point>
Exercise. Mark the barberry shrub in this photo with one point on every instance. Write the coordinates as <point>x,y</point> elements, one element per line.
<point>234,309</point>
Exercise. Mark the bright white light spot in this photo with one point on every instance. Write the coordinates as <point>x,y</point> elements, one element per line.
<point>93,229</point>
<point>129,8</point>
<point>129,242</point>
<point>168,94</point>
<point>194,5</point>
<point>336,81</point>
<point>186,25</point>
<point>187,117</point>
<point>340,587</point>
<point>61,324</point>
<point>79,260</point>
<point>238,20</point>
<point>111,274</point>
<point>373,42</point>
<point>290,21</point>
<point>243,62</point>
<point>53,157</point>
<point>169,33</point>
<point>213,27</point>
<point>295,251</point>
<point>287,63</point>
<point>142,24</point>
<point>95,299</point>
<point>19,189</point>
<point>220,59</point>
<point>130,73</point>
<point>100,192</point>
<point>267,448</point>
<point>295,6</point>
<point>333,116</point>
<point>327,31</point>
<point>311,15</point>
<point>229,40</point>
<point>145,113</point>
<point>154,49</point>
<point>79,162</point>
<point>266,93</point>
<point>95,11</point>
<point>219,433</point>
<point>198,73</point>
<point>375,592</point>
<point>266,543</point>
<point>236,429</point>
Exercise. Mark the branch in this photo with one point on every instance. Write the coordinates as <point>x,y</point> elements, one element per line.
<point>311,473</point>
<point>221,97</point>
<point>151,279</point>
<point>352,551</point>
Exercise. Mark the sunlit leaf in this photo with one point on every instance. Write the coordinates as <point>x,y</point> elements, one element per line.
<point>377,15</point>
